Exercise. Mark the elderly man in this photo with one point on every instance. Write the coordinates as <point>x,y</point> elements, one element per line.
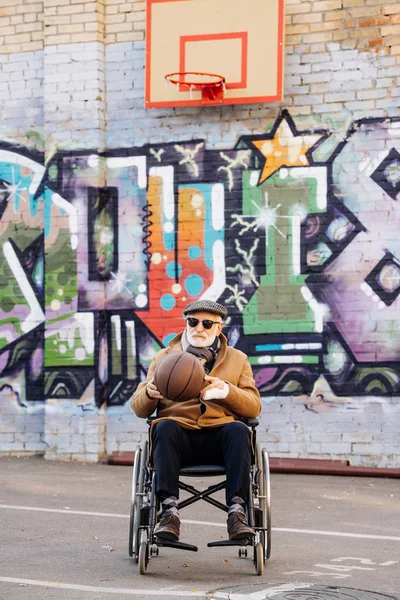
<point>206,429</point>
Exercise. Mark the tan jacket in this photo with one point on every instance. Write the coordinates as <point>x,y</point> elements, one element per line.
<point>231,366</point>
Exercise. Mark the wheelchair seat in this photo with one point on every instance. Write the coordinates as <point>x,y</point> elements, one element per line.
<point>202,471</point>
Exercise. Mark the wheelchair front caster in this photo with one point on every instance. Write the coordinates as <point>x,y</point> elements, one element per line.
<point>242,552</point>
<point>143,553</point>
<point>259,558</point>
<point>154,550</point>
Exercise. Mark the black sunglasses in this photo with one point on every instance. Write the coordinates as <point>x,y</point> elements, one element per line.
<point>207,324</point>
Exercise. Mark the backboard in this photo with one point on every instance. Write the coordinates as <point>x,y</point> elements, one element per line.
<point>239,40</point>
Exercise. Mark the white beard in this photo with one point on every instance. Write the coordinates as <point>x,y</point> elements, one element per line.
<point>199,342</point>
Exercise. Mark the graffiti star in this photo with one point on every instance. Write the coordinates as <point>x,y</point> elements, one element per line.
<point>241,160</point>
<point>266,219</point>
<point>12,191</point>
<point>120,281</point>
<point>189,155</point>
<point>286,147</point>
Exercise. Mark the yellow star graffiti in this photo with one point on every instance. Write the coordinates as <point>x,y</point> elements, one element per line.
<point>285,149</point>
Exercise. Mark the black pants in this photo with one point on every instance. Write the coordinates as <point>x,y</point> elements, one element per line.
<point>175,447</point>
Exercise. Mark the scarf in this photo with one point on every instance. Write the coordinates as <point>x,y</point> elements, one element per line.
<point>207,355</point>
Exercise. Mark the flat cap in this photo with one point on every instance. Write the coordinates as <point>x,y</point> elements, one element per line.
<point>206,306</point>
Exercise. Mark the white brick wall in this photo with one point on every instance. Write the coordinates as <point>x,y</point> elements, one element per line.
<point>21,427</point>
<point>317,85</point>
<point>124,429</point>
<point>74,95</point>
<point>365,433</point>
<point>74,431</point>
<point>21,94</point>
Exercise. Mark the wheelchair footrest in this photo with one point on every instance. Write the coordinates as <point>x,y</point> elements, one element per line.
<point>244,542</point>
<point>177,545</point>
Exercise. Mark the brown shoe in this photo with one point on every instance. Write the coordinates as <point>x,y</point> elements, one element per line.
<point>238,527</point>
<point>168,528</point>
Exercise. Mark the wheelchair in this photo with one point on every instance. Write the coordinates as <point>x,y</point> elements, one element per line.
<point>145,507</point>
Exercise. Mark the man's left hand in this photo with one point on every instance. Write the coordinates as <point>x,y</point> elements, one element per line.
<point>215,389</point>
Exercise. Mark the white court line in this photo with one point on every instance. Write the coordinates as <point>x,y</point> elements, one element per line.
<point>367,536</point>
<point>106,590</point>
<point>309,531</point>
<point>65,511</point>
<point>208,523</point>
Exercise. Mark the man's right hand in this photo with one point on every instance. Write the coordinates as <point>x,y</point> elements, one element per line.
<point>152,391</point>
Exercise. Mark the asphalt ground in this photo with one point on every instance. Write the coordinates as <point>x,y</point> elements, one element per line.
<point>64,536</point>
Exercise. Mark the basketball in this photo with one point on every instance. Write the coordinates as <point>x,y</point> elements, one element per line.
<point>179,376</point>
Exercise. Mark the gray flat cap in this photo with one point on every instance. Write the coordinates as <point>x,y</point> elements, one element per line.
<point>207,306</point>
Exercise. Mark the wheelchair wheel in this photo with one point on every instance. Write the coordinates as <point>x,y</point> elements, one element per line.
<point>143,552</point>
<point>138,484</point>
<point>264,493</point>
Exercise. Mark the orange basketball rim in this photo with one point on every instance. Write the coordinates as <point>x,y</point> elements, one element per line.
<point>211,85</point>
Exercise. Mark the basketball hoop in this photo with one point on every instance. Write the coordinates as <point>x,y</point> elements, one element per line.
<point>211,85</point>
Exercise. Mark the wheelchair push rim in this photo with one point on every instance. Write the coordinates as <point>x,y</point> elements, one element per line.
<point>268,518</point>
<point>133,509</point>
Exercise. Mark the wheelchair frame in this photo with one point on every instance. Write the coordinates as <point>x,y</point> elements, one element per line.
<point>144,513</point>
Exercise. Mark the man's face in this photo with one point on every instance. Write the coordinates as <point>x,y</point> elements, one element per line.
<point>198,335</point>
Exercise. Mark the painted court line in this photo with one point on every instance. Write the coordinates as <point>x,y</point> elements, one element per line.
<point>366,536</point>
<point>65,511</point>
<point>103,590</point>
<point>309,531</point>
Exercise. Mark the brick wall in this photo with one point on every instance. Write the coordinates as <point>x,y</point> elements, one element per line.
<point>85,303</point>
<point>21,26</point>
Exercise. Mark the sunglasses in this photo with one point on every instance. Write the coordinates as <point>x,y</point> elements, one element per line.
<point>207,324</point>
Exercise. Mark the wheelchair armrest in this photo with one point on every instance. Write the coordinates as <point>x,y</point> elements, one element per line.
<point>250,422</point>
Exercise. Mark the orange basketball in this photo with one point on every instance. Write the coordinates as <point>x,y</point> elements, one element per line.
<point>179,376</point>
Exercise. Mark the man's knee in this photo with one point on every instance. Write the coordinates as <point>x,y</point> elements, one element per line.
<point>237,428</point>
<point>237,431</point>
<point>166,430</point>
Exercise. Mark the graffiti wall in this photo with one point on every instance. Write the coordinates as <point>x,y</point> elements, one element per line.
<point>297,234</point>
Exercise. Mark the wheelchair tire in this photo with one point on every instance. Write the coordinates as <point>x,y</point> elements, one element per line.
<point>264,491</point>
<point>138,485</point>
<point>143,557</point>
<point>259,558</point>
<point>139,519</point>
<point>268,524</point>
<point>133,515</point>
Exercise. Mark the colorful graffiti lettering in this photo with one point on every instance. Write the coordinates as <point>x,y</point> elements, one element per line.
<point>100,252</point>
